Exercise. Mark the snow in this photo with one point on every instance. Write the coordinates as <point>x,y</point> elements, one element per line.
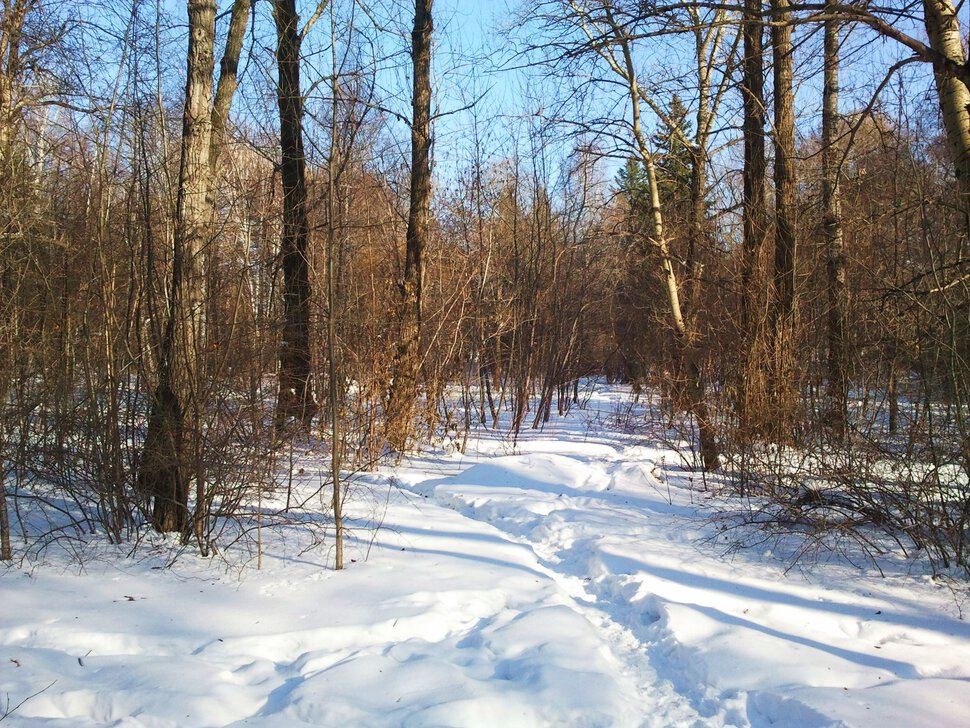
<point>573,579</point>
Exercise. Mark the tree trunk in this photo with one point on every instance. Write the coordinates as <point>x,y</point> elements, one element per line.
<point>336,440</point>
<point>943,31</point>
<point>838,387</point>
<point>755,224</point>
<point>407,362</point>
<point>11,33</point>
<point>11,28</point>
<point>6,552</point>
<point>222,102</point>
<point>707,42</point>
<point>228,71</point>
<point>697,233</point>
<point>782,387</point>
<point>892,379</point>
<point>295,400</point>
<point>164,469</point>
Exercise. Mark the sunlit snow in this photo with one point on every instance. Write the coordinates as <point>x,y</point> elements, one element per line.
<point>573,579</point>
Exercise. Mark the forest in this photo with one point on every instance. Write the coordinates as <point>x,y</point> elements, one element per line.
<point>461,363</point>
<point>226,227</point>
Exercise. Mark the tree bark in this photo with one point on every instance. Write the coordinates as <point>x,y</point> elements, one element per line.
<point>838,386</point>
<point>6,552</point>
<point>228,72</point>
<point>782,387</point>
<point>334,405</point>
<point>13,13</point>
<point>755,223</point>
<point>707,44</point>
<point>295,400</point>
<point>407,361</point>
<point>943,31</point>
<point>164,469</point>
<point>222,102</point>
<point>12,19</point>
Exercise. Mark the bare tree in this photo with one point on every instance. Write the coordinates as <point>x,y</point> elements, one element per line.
<point>11,28</point>
<point>164,470</point>
<point>12,17</point>
<point>943,30</point>
<point>755,223</point>
<point>408,357</point>
<point>711,32</point>
<point>838,386</point>
<point>296,399</point>
<point>945,52</point>
<point>782,327</point>
<point>228,79</point>
<point>608,38</point>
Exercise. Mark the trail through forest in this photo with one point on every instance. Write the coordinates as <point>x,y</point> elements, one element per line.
<point>573,578</point>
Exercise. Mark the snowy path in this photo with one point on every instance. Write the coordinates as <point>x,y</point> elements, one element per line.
<point>728,643</point>
<point>564,508</point>
<point>573,581</point>
<point>558,507</point>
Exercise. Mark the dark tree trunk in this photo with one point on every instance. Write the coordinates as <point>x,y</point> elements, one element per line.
<point>6,553</point>
<point>838,385</point>
<point>336,439</point>
<point>408,360</point>
<point>755,212</point>
<point>164,469</point>
<point>295,400</point>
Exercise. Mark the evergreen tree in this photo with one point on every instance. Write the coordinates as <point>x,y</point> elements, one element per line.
<point>674,157</point>
<point>632,186</point>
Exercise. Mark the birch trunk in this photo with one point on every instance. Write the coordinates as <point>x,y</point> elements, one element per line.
<point>943,31</point>
<point>686,339</point>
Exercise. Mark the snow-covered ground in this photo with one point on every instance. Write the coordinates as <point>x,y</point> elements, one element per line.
<point>573,580</point>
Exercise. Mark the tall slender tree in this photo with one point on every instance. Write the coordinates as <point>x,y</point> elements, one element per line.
<point>407,361</point>
<point>610,40</point>
<point>334,165</point>
<point>755,223</point>
<point>228,79</point>
<point>782,332</point>
<point>296,399</point>
<point>838,388</point>
<point>945,51</point>
<point>12,17</point>
<point>165,469</point>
